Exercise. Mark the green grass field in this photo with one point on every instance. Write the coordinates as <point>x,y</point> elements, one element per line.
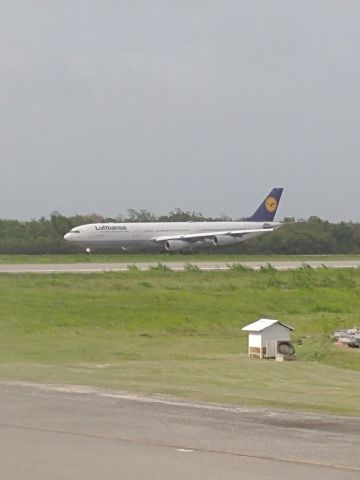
<point>180,333</point>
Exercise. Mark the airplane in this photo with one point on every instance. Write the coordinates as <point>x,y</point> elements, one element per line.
<point>177,236</point>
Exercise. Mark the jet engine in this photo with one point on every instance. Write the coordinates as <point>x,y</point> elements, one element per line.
<point>176,245</point>
<point>223,240</point>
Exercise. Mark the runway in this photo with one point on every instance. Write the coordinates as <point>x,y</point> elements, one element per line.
<point>65,432</point>
<point>176,266</point>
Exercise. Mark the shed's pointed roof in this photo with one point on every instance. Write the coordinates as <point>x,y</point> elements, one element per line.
<point>262,324</point>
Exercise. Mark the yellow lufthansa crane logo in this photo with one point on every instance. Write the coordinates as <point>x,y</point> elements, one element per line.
<point>271,204</point>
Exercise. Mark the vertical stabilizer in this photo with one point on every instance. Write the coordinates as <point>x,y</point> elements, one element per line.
<point>266,211</point>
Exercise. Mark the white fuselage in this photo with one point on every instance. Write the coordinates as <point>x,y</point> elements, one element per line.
<point>153,236</point>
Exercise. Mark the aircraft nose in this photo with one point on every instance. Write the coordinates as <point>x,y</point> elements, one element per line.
<point>67,237</point>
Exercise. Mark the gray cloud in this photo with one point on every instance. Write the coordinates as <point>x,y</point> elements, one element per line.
<point>108,105</point>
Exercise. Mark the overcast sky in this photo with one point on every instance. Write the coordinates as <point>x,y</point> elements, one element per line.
<point>204,105</point>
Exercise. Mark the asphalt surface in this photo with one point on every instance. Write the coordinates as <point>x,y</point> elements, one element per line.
<point>118,267</point>
<point>60,432</point>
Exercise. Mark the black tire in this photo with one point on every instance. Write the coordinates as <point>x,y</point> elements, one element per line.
<point>286,348</point>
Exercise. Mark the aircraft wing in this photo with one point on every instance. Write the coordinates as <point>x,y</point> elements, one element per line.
<point>194,237</point>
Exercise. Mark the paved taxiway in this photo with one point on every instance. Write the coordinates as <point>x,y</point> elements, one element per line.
<point>119,267</point>
<point>61,432</point>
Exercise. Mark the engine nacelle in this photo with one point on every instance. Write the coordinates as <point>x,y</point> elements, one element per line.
<point>223,240</point>
<point>176,245</point>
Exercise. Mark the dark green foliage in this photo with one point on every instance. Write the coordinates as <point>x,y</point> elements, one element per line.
<point>314,237</point>
<point>42,236</point>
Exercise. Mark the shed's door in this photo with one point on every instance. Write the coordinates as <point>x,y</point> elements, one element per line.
<point>271,348</point>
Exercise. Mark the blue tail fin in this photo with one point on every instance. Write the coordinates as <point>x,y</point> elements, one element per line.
<point>266,211</point>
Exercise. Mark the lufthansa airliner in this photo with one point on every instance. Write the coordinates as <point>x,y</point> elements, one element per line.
<point>177,236</point>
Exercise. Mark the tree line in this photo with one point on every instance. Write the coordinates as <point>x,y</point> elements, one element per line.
<point>311,236</point>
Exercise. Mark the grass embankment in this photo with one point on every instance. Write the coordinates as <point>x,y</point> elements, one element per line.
<point>180,333</point>
<point>162,257</point>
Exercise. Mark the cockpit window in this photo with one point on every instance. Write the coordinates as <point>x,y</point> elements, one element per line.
<point>75,231</point>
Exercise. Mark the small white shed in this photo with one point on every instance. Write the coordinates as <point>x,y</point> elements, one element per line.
<point>265,335</point>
